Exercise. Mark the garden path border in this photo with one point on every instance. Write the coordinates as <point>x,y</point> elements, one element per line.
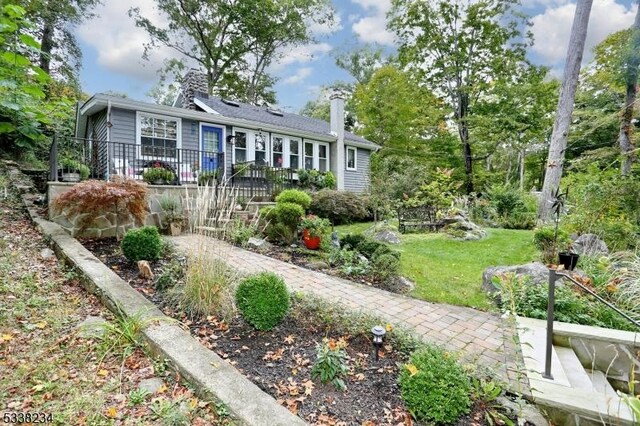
<point>482,337</point>
<point>202,368</point>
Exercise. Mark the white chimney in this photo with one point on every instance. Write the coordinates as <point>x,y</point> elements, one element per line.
<point>337,129</point>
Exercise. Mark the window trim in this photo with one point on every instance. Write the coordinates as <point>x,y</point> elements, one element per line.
<point>328,157</point>
<point>355,158</point>
<point>178,120</point>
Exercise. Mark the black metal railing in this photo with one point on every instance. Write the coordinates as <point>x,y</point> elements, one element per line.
<point>259,182</point>
<point>76,159</point>
<point>553,277</point>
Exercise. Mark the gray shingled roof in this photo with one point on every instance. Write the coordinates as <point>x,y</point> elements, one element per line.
<point>288,120</point>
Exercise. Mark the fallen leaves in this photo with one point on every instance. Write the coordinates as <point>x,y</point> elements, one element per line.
<point>6,337</point>
<point>274,355</point>
<point>413,370</point>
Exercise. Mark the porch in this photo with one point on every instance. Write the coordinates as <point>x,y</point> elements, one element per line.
<point>76,159</point>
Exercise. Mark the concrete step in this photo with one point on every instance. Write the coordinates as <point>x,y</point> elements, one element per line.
<point>601,384</point>
<point>533,343</point>
<point>255,206</point>
<point>578,377</point>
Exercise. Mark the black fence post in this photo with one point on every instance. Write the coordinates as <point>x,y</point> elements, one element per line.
<point>53,160</point>
<point>550,317</point>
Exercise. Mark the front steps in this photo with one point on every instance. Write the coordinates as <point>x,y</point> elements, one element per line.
<point>576,395</point>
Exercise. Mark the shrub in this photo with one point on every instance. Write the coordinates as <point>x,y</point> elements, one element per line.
<point>545,240</point>
<point>156,174</point>
<point>263,300</point>
<point>169,276</point>
<point>93,198</point>
<point>267,213</point>
<point>340,206</point>
<point>367,246</point>
<point>142,244</point>
<point>280,232</point>
<point>331,362</point>
<point>315,180</point>
<point>288,213</point>
<point>434,387</point>
<point>512,208</point>
<point>317,227</point>
<point>350,262</point>
<point>385,267</point>
<point>208,288</point>
<point>294,196</point>
<point>240,233</point>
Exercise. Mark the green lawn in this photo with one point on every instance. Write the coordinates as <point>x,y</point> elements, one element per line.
<point>450,271</point>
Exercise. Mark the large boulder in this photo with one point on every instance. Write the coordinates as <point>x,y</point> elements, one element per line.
<point>384,232</point>
<point>536,271</point>
<point>462,228</point>
<point>590,245</point>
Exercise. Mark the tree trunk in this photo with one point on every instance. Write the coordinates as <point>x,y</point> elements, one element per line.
<point>46,44</point>
<point>463,131</point>
<point>507,176</point>
<point>558,146</point>
<point>521,155</point>
<point>632,62</point>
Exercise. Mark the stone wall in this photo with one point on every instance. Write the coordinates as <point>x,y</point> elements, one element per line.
<point>106,224</point>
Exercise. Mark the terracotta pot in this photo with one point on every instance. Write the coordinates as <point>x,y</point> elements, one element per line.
<point>175,229</point>
<point>312,243</point>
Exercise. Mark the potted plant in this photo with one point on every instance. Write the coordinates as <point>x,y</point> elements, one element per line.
<point>209,177</point>
<point>73,171</point>
<point>313,228</point>
<point>566,257</point>
<point>158,176</point>
<point>174,220</point>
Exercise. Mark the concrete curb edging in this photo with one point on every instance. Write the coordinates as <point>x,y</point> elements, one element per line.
<point>204,369</point>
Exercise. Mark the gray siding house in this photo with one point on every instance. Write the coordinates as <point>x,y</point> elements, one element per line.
<point>200,133</point>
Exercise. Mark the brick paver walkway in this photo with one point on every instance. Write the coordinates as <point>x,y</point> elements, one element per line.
<point>480,337</point>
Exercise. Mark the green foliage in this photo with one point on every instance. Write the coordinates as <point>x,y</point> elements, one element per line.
<point>169,276</point>
<point>519,296</point>
<point>316,226</point>
<point>434,387</point>
<point>331,363</point>
<point>439,192</point>
<point>603,203</point>
<point>208,287</point>
<point>240,232</point>
<point>340,206</point>
<point>513,209</point>
<point>158,174</point>
<point>385,266</point>
<point>315,180</point>
<point>545,240</point>
<point>210,177</point>
<point>363,256</point>
<point>350,262</point>
<point>123,335</point>
<point>288,213</point>
<point>263,300</point>
<point>624,286</point>
<point>294,196</point>
<point>72,166</point>
<point>142,244</point>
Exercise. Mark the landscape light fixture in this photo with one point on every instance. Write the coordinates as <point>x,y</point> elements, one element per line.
<point>378,333</point>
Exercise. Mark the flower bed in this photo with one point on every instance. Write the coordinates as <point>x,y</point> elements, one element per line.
<point>281,361</point>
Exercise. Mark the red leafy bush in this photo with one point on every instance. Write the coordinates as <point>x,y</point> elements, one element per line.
<point>94,198</point>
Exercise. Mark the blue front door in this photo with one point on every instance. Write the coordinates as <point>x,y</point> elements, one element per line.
<point>211,142</point>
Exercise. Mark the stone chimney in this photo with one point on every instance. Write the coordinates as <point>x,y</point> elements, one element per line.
<point>192,82</point>
<point>337,129</point>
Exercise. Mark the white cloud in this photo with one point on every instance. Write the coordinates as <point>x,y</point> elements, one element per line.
<point>551,29</point>
<point>301,55</point>
<point>373,27</point>
<point>299,76</point>
<point>119,43</point>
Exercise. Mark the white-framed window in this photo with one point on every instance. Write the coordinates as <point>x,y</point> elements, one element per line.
<point>277,151</point>
<point>240,147</point>
<point>260,144</point>
<point>323,157</point>
<point>158,136</point>
<point>352,158</point>
<point>294,153</point>
<point>308,155</point>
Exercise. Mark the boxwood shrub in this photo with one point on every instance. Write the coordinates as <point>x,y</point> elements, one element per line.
<point>294,196</point>
<point>434,386</point>
<point>263,300</point>
<point>142,244</point>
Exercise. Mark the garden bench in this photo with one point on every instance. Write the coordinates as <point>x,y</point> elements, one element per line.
<point>418,218</point>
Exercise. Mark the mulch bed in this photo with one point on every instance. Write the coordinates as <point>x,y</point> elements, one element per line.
<point>280,361</point>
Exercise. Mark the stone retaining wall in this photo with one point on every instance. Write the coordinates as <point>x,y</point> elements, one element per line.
<point>107,225</point>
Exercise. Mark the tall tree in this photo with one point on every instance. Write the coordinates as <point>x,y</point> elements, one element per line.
<point>233,41</point>
<point>558,144</point>
<point>361,63</point>
<point>54,22</point>
<point>631,64</point>
<point>459,49</point>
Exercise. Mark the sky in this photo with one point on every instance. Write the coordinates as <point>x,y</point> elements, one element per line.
<point>112,46</point>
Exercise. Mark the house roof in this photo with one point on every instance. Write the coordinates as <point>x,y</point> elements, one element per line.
<point>245,115</point>
<point>281,119</point>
